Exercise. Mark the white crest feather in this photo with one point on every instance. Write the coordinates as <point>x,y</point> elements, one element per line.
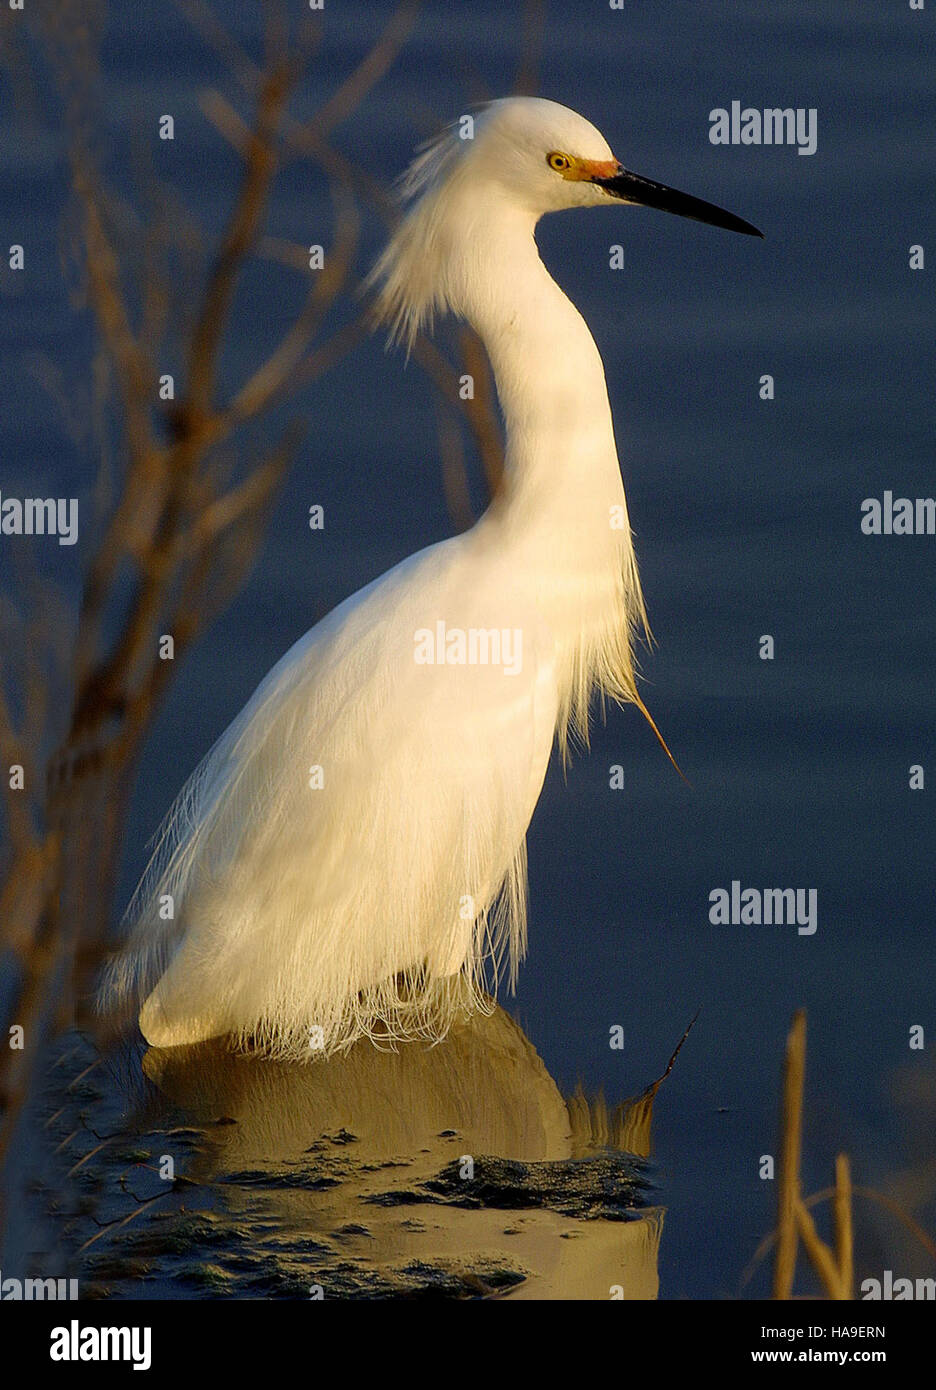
<point>409,289</point>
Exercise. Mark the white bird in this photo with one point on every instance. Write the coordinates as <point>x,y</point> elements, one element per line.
<point>349,858</point>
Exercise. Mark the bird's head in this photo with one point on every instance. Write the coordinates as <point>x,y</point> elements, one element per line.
<point>524,155</point>
<point>551,158</point>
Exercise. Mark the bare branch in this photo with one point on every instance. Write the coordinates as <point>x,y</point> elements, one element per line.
<point>238,239</point>
<point>368,73</point>
<point>134,372</point>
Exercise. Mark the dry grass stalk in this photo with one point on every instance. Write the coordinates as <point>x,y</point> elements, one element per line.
<point>835,1269</point>
<point>788,1184</point>
<point>844,1234</point>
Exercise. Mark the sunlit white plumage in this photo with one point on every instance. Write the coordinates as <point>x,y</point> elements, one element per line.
<point>383,902</point>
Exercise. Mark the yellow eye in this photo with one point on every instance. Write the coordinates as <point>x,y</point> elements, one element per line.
<point>559,162</point>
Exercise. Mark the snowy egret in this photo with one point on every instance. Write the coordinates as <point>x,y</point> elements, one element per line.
<point>349,858</point>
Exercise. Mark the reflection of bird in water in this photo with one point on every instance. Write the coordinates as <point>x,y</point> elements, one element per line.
<point>458,1168</point>
<point>350,857</point>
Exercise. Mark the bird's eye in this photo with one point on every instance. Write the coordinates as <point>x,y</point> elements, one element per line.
<point>559,162</point>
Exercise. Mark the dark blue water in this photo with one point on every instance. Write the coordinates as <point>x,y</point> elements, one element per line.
<point>747,517</point>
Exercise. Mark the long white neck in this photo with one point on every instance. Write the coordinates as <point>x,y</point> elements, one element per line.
<point>550,378</point>
<point>561,512</point>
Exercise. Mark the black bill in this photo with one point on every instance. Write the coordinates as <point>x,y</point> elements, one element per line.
<point>632,188</point>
